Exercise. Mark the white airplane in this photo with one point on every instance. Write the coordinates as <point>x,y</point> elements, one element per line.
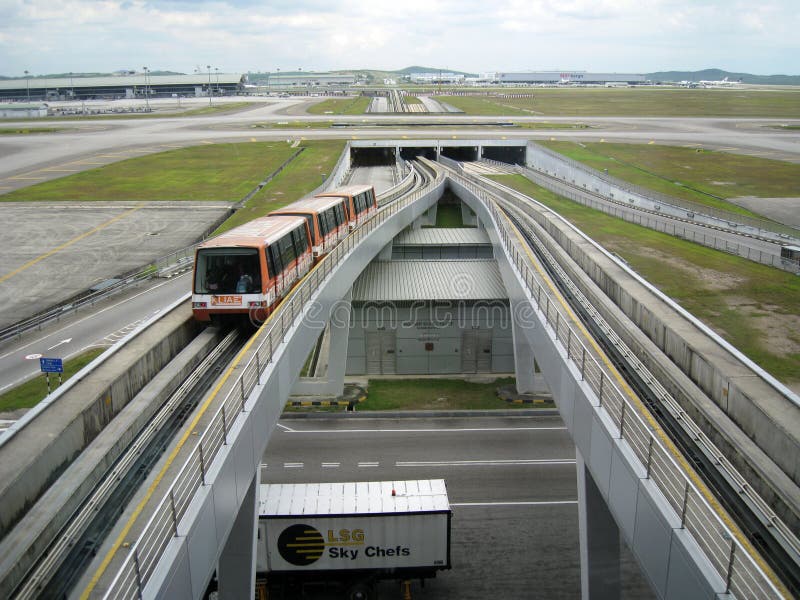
<point>718,83</point>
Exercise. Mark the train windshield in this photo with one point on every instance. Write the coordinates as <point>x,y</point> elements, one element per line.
<point>227,271</point>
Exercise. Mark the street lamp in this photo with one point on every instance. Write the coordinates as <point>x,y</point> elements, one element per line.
<point>216,72</point>
<point>209,84</point>
<point>146,91</point>
<point>72,85</point>
<point>27,86</point>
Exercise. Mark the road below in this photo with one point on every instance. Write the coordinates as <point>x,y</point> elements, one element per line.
<point>511,483</point>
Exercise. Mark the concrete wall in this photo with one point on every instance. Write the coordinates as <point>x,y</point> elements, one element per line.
<point>38,453</point>
<point>44,520</point>
<point>442,326</point>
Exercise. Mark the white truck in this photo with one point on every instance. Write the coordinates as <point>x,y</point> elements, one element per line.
<point>350,535</point>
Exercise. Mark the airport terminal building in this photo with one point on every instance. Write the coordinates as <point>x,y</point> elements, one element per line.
<point>140,85</point>
<point>570,77</point>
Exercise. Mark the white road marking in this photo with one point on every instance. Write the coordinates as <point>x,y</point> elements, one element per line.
<point>484,463</point>
<point>292,465</point>
<point>285,428</point>
<point>458,430</point>
<point>331,465</point>
<point>368,465</point>
<point>86,318</point>
<point>543,503</point>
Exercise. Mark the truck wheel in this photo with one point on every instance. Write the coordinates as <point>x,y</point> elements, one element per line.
<point>360,591</point>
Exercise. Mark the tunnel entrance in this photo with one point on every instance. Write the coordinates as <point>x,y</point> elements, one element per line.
<point>513,155</point>
<point>410,153</point>
<point>372,157</point>
<point>460,153</point>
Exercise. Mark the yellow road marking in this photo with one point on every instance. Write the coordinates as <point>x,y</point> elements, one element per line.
<point>55,170</point>
<point>57,249</point>
<point>656,428</point>
<point>27,178</point>
<point>173,455</point>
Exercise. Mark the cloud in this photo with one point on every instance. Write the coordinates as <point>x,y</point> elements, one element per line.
<point>46,36</point>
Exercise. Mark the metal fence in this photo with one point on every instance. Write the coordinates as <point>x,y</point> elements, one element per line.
<point>717,213</point>
<point>730,557</point>
<point>162,527</point>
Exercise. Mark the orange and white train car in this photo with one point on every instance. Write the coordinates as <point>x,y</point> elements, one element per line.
<point>327,218</point>
<point>248,270</point>
<point>361,201</point>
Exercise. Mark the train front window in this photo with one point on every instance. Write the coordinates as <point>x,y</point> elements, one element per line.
<point>227,271</point>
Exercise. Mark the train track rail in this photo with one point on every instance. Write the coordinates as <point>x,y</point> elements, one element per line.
<point>59,567</point>
<point>758,522</point>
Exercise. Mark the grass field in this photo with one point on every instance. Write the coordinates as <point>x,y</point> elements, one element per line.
<point>301,177</point>
<point>34,391</point>
<point>208,172</point>
<point>449,215</point>
<point>341,106</point>
<point>756,308</point>
<point>434,394</point>
<point>703,176</point>
<point>635,102</point>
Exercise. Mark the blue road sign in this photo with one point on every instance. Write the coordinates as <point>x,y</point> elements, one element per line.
<point>51,365</point>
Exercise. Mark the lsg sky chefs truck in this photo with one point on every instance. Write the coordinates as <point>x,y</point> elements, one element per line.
<point>350,535</point>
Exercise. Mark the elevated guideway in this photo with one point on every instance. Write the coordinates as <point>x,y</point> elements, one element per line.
<point>686,545</point>
<point>201,506</point>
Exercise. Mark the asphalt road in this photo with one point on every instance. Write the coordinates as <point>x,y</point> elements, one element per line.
<point>101,325</point>
<point>511,483</point>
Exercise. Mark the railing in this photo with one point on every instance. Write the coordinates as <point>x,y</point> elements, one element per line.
<point>731,560</point>
<point>163,524</point>
<point>696,207</point>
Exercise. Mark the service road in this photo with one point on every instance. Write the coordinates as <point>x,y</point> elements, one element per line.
<point>511,483</point>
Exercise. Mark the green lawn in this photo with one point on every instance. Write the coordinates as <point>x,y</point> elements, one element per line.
<point>341,106</point>
<point>302,176</point>
<point>633,102</point>
<point>434,394</point>
<point>704,176</point>
<point>449,215</point>
<point>754,307</point>
<point>206,172</point>
<point>32,392</point>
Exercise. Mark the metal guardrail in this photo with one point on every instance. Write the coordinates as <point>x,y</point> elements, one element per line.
<point>717,213</point>
<point>163,524</point>
<point>674,226</point>
<point>731,560</point>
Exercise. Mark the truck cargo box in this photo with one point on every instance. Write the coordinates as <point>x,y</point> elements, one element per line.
<point>387,528</point>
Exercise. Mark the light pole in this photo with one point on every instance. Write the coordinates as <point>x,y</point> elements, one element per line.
<point>146,92</point>
<point>72,85</point>
<point>216,72</point>
<point>209,84</point>
<point>27,86</point>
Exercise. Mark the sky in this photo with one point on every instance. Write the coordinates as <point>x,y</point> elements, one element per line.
<point>477,36</point>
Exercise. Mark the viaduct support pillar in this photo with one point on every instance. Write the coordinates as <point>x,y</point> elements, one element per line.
<point>599,540</point>
<point>528,380</point>
<point>236,572</point>
<point>333,354</point>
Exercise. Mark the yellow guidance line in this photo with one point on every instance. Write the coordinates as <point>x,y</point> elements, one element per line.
<point>173,455</point>
<point>68,243</point>
<point>656,427</point>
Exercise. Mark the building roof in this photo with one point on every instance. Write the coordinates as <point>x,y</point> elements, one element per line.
<point>137,80</point>
<point>443,236</point>
<point>364,497</point>
<point>410,280</point>
<point>256,233</point>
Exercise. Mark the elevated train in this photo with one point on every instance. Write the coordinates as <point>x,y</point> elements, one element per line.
<point>246,272</point>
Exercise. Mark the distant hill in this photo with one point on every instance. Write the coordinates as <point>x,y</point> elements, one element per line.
<point>80,75</point>
<point>719,74</point>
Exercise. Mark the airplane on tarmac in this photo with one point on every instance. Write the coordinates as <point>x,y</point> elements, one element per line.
<point>719,83</point>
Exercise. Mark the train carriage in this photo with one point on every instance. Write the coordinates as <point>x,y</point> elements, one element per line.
<point>247,270</point>
<point>327,219</point>
<point>362,203</point>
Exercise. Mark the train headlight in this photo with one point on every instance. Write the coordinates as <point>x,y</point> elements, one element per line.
<point>199,304</point>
